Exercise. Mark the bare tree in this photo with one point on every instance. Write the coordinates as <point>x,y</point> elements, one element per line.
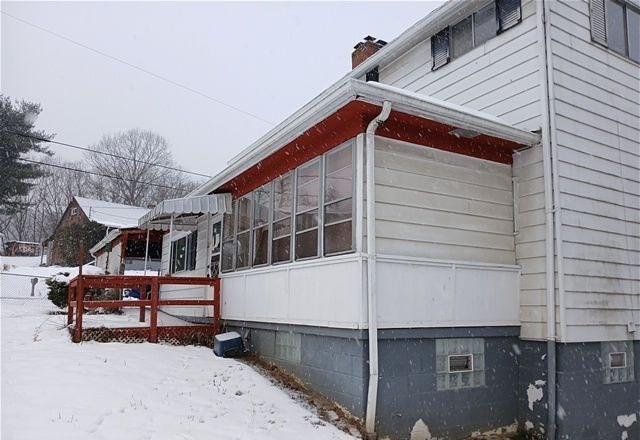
<point>132,157</point>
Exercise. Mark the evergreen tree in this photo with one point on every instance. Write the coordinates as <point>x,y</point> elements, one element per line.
<point>17,119</point>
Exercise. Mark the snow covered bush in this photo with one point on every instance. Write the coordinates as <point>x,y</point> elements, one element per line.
<point>58,289</point>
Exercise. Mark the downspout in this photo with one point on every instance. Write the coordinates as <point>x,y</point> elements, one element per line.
<point>372,392</point>
<point>553,225</point>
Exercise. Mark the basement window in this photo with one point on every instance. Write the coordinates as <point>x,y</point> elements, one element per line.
<point>474,30</point>
<point>460,363</point>
<point>618,362</point>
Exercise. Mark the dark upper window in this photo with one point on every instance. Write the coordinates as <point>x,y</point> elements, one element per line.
<point>474,30</point>
<point>616,25</point>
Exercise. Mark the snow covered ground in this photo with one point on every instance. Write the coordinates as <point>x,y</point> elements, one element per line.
<point>52,388</point>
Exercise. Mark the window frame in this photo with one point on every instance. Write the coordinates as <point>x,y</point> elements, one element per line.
<point>625,24</point>
<point>291,217</point>
<point>351,145</point>
<point>249,230</point>
<point>318,227</point>
<point>465,355</point>
<point>212,251</point>
<point>255,227</point>
<point>174,244</point>
<point>448,33</point>
<point>232,240</point>
<point>293,232</point>
<point>624,357</point>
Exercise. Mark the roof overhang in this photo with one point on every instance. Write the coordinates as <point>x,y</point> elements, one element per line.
<point>183,212</point>
<point>346,111</point>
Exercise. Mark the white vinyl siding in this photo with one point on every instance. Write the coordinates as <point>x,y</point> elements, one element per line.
<point>530,241</point>
<point>597,106</point>
<point>500,77</point>
<point>435,204</point>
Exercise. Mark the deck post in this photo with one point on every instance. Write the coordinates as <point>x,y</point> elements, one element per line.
<point>70,297</point>
<point>143,295</point>
<point>153,325</point>
<point>77,335</point>
<point>217,315</point>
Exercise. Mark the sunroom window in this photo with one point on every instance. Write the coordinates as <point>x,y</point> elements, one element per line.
<point>303,214</point>
<point>228,236</point>
<point>307,200</point>
<point>282,207</point>
<point>338,201</point>
<point>243,237</point>
<point>261,205</point>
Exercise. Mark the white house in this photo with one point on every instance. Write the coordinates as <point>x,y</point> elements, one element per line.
<point>493,148</point>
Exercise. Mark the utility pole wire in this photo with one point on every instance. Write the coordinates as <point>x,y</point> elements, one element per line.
<point>141,69</point>
<point>97,174</point>
<point>91,150</point>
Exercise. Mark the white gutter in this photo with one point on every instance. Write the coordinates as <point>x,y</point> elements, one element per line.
<point>373,93</point>
<point>553,254</point>
<point>372,309</point>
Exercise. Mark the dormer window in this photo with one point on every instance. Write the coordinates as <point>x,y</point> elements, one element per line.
<point>474,30</point>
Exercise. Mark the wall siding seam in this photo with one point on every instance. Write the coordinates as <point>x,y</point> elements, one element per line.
<point>387,185</point>
<point>498,89</point>
<point>385,170</point>
<point>517,94</point>
<point>597,61</point>
<point>600,170</point>
<point>506,250</point>
<point>590,84</point>
<point>616,149</point>
<point>453,211</point>
<point>479,73</point>
<point>508,53</point>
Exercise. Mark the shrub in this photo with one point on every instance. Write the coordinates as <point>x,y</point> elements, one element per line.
<point>58,291</point>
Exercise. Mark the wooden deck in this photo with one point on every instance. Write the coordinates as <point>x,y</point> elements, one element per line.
<point>149,288</point>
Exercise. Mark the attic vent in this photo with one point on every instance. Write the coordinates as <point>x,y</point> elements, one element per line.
<point>509,13</point>
<point>440,48</point>
<point>373,75</point>
<point>74,211</point>
<point>598,22</point>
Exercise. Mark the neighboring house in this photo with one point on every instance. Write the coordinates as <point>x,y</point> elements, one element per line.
<point>125,250</point>
<point>84,223</point>
<point>454,243</point>
<point>22,249</point>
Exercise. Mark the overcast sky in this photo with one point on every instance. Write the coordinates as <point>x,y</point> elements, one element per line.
<point>268,59</point>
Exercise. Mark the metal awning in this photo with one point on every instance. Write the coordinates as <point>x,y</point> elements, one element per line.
<point>182,213</point>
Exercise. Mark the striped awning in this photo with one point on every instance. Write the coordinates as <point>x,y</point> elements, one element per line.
<point>184,211</point>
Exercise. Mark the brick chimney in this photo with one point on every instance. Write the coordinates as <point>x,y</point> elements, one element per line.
<point>365,49</point>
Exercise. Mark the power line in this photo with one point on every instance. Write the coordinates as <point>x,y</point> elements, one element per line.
<point>77,147</point>
<point>141,69</point>
<point>97,174</point>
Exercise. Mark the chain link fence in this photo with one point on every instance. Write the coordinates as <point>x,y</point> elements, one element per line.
<point>21,286</point>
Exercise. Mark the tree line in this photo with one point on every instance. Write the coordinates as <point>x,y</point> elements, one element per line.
<point>134,167</point>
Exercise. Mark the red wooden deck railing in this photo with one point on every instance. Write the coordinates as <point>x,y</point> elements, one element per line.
<point>79,285</point>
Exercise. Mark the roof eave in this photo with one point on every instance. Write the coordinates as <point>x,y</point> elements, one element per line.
<point>437,110</point>
<point>373,93</point>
